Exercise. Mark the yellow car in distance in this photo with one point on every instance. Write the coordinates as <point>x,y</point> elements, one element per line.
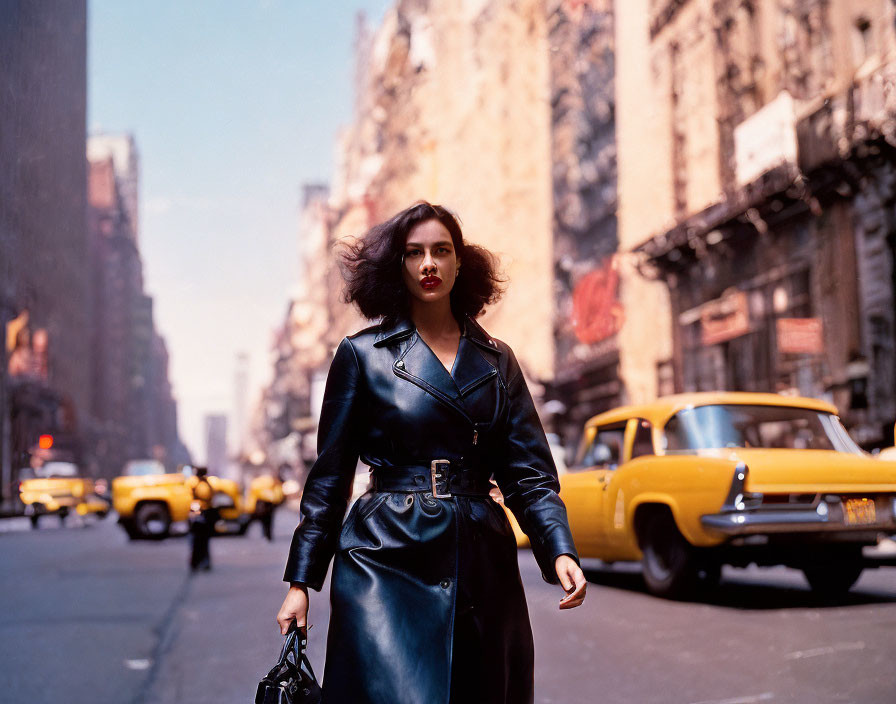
<point>263,490</point>
<point>57,488</point>
<point>691,482</point>
<point>150,500</point>
<point>226,497</point>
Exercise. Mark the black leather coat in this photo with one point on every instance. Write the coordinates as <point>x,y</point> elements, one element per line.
<point>407,565</point>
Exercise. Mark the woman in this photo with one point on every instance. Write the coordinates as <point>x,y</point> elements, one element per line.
<point>427,606</point>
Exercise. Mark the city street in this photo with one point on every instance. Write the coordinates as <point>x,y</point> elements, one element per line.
<point>91,617</point>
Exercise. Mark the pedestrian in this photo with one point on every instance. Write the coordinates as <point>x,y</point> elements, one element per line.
<point>427,604</point>
<point>202,521</point>
<point>268,492</point>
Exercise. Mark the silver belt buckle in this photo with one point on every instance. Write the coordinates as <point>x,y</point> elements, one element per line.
<point>435,475</point>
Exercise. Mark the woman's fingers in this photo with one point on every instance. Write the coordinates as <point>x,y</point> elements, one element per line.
<point>575,579</point>
<point>284,618</point>
<point>294,608</point>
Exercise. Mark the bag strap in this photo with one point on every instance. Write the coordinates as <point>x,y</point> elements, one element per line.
<point>295,643</point>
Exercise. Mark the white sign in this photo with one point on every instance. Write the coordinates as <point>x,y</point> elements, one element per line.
<point>766,139</point>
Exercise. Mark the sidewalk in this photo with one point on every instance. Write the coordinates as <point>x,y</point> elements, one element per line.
<point>225,623</point>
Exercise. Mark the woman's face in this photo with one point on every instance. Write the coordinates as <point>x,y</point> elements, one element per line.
<point>430,262</point>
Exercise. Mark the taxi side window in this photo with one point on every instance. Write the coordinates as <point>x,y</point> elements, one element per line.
<point>606,450</point>
<point>643,441</point>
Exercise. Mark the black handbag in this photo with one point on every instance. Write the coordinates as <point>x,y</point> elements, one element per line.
<point>291,680</point>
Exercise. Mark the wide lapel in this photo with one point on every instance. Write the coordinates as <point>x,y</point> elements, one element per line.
<point>418,364</point>
<point>472,367</point>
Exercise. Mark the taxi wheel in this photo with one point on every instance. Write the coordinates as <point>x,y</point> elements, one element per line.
<point>669,562</point>
<point>152,520</point>
<point>834,579</point>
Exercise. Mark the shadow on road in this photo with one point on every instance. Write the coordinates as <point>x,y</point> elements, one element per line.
<point>747,593</point>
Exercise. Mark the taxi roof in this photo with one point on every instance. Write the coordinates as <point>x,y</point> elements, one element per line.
<point>659,411</point>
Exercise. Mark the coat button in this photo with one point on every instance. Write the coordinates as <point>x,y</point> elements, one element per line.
<point>399,364</point>
<point>445,583</point>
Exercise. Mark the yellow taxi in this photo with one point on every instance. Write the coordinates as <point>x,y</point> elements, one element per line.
<point>889,453</point>
<point>694,481</point>
<point>57,488</point>
<point>264,491</point>
<point>149,500</point>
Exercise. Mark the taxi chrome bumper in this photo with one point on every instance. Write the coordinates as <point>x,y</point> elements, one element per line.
<point>745,513</point>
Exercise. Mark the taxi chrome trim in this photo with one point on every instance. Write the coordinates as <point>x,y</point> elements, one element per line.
<point>744,513</point>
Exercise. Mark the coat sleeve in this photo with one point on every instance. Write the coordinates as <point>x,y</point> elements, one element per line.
<point>527,477</point>
<point>329,483</point>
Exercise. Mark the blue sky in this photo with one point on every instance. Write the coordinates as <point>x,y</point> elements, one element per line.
<point>234,104</point>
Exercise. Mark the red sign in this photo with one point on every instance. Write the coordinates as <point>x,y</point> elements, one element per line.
<point>724,318</point>
<point>596,311</point>
<point>800,336</point>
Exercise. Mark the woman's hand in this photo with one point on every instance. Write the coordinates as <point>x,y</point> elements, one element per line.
<point>294,608</point>
<point>572,579</point>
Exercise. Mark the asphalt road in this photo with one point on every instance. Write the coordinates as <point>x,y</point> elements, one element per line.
<point>89,617</point>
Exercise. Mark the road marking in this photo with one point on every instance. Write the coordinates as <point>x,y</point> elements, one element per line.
<point>826,650</point>
<point>747,699</point>
<point>140,664</point>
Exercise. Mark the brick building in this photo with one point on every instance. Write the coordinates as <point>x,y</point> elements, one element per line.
<point>133,406</point>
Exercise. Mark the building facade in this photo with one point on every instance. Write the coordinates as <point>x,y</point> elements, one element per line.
<point>773,143</point>
<point>588,313</point>
<point>44,300</point>
<point>216,456</point>
<point>135,414</point>
<point>453,106</point>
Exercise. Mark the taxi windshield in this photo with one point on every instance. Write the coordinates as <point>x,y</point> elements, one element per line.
<point>57,470</point>
<point>742,426</point>
<point>142,468</point>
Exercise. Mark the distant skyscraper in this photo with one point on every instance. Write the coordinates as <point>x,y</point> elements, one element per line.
<point>216,443</point>
<point>240,402</point>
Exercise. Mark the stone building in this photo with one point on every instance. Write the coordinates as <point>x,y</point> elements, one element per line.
<point>762,135</point>
<point>134,411</point>
<point>505,113</point>
<point>117,281</point>
<point>43,231</point>
<point>216,454</point>
<point>588,313</point>
<point>453,107</point>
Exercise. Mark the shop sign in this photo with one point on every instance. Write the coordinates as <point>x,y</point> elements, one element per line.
<point>724,318</point>
<point>596,311</point>
<point>800,336</point>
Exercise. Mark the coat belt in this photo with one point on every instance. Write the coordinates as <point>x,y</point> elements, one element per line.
<point>447,479</point>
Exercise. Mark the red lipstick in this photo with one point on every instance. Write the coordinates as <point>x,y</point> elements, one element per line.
<point>430,282</point>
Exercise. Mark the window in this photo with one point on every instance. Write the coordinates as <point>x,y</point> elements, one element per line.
<point>643,442</point>
<point>606,448</point>
<point>862,40</point>
<point>733,426</point>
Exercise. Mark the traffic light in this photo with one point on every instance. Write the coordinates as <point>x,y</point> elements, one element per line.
<point>45,442</point>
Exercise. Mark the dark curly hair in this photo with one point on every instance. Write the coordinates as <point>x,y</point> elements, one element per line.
<point>372,268</point>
